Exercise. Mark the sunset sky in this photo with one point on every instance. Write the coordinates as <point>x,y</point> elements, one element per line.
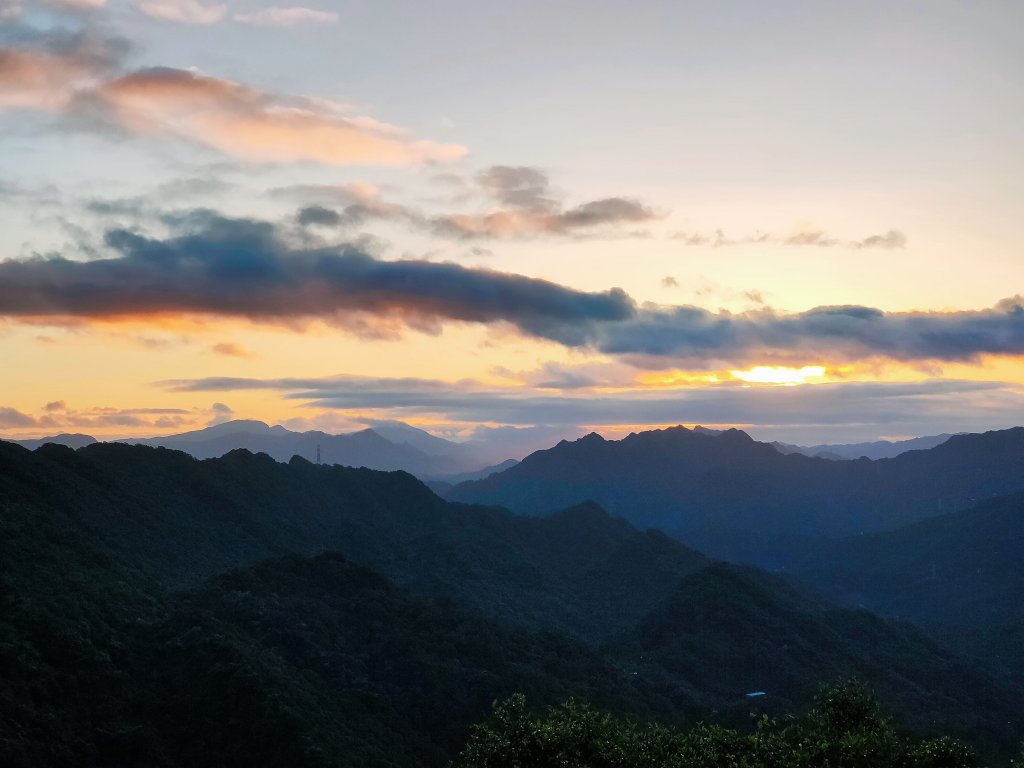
<point>802,218</point>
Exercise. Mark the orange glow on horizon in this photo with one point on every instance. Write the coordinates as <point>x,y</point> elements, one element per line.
<point>780,374</point>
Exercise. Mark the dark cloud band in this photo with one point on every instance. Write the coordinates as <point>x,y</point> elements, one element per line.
<point>244,268</point>
<point>241,268</point>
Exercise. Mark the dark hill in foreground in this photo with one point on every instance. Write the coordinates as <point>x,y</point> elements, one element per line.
<point>729,629</point>
<point>733,497</point>
<point>136,617</point>
<point>181,521</point>
<point>291,662</point>
<point>959,569</point>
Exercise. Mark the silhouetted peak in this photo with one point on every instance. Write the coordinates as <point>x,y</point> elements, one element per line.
<point>55,449</point>
<point>593,437</point>
<point>234,426</point>
<point>737,435</point>
<point>244,455</point>
<point>369,435</point>
<point>702,430</point>
<point>64,436</point>
<point>584,512</point>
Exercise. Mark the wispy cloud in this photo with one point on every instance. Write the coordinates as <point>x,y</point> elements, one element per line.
<point>855,407</point>
<point>80,79</point>
<point>45,70</point>
<point>183,11</point>
<point>13,9</point>
<point>58,416</point>
<point>529,209</point>
<point>890,240</point>
<point>231,349</point>
<point>286,16</point>
<point>249,123</point>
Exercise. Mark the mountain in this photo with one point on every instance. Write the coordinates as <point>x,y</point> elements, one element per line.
<point>71,440</point>
<point>290,662</point>
<point>182,605</point>
<point>365,448</point>
<point>733,497</point>
<point>960,569</point>
<point>388,445</point>
<point>443,485</point>
<point>728,630</point>
<point>878,449</point>
<point>180,521</point>
<point>399,432</point>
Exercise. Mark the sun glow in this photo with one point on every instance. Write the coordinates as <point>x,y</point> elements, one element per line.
<point>778,374</point>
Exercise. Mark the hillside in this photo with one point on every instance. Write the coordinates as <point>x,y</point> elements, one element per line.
<point>365,448</point>
<point>133,570</point>
<point>959,569</point>
<point>733,497</point>
<point>729,630</point>
<point>182,520</point>
<point>292,662</point>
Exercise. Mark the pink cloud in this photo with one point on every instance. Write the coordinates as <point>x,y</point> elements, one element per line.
<point>183,11</point>
<point>286,17</point>
<point>256,125</point>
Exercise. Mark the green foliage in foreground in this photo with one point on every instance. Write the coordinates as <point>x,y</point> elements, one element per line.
<point>845,730</point>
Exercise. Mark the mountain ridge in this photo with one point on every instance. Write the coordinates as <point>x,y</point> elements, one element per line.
<point>740,499</point>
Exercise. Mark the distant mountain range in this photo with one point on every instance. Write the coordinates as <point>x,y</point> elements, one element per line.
<point>64,438</point>
<point>879,449</point>
<point>390,445</point>
<point>387,446</point>
<point>164,610</point>
<point>733,497</point>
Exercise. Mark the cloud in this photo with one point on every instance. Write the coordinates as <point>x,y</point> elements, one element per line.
<point>529,212</point>
<point>344,194</point>
<point>356,214</point>
<point>57,416</point>
<point>517,186</point>
<point>76,5</point>
<point>891,240</point>
<point>669,282</point>
<point>837,333</point>
<point>44,71</point>
<point>230,349</point>
<point>79,77</point>
<point>286,17</point>
<point>233,267</point>
<point>317,215</point>
<point>10,9</point>
<point>183,11</point>
<point>249,123</point>
<point>866,408</point>
<point>513,223</point>
<point>221,413</point>
<point>529,209</point>
<point>212,265</point>
<point>815,237</point>
<point>611,210</point>
<point>11,418</point>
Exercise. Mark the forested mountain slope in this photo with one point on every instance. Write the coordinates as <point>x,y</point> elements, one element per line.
<point>733,497</point>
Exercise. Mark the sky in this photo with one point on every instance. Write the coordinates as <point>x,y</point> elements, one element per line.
<point>534,219</point>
